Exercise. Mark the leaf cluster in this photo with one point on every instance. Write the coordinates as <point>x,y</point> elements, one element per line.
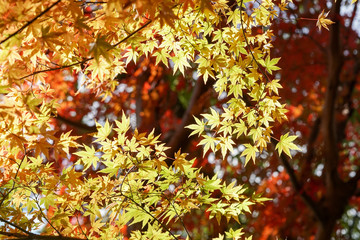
<point>122,178</point>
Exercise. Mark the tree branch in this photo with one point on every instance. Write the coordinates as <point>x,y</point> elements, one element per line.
<point>10,234</point>
<point>15,226</point>
<point>147,212</point>
<point>78,125</point>
<point>47,220</point>
<point>181,220</point>
<point>30,22</point>
<point>16,174</point>
<point>328,114</point>
<point>33,236</point>
<point>351,22</point>
<point>306,169</point>
<point>88,59</point>
<point>181,134</point>
<point>30,235</point>
<point>299,188</point>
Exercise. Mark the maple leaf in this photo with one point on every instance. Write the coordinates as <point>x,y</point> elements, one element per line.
<point>322,21</point>
<point>199,127</point>
<point>88,157</point>
<point>250,153</point>
<point>66,141</point>
<point>209,143</point>
<point>51,39</point>
<point>130,178</point>
<point>235,234</point>
<point>226,145</point>
<point>273,86</point>
<point>286,144</point>
<point>101,48</point>
<point>131,55</point>
<point>270,64</point>
<point>162,56</point>
<point>180,62</point>
<point>103,131</point>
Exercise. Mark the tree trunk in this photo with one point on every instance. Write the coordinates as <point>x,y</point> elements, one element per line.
<point>325,229</point>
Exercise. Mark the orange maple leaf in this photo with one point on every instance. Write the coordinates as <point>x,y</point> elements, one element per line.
<point>322,21</point>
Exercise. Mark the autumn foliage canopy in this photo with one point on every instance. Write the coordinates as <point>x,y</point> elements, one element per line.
<point>140,119</point>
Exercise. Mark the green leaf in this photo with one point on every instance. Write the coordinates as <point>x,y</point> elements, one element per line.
<point>208,142</point>
<point>286,144</point>
<point>197,128</point>
<point>131,54</point>
<point>103,132</point>
<point>250,153</point>
<point>273,86</point>
<point>213,118</point>
<point>180,62</point>
<point>88,157</point>
<point>162,56</point>
<point>270,64</point>
<point>226,144</point>
<point>235,235</point>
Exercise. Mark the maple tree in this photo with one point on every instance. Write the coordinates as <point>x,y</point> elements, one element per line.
<point>316,193</point>
<point>134,67</point>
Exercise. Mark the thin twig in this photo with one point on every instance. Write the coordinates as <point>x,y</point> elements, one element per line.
<point>17,171</point>
<point>126,174</point>
<point>91,58</point>
<point>250,50</point>
<point>30,22</point>
<point>47,220</point>
<point>33,236</point>
<point>147,212</point>
<point>15,226</point>
<point>182,222</point>
<point>77,219</point>
<point>94,2</point>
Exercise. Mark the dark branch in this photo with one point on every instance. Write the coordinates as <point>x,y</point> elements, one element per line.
<point>133,33</point>
<point>181,133</point>
<point>57,68</point>
<point>328,118</point>
<point>181,220</point>
<point>94,2</point>
<point>350,28</point>
<point>78,125</point>
<point>30,22</point>
<point>32,236</point>
<point>46,219</point>
<point>299,188</point>
<point>15,226</point>
<point>16,174</point>
<point>147,212</point>
<point>306,169</point>
<point>88,59</point>
<point>10,234</point>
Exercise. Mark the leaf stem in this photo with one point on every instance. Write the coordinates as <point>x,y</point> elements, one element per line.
<point>309,19</point>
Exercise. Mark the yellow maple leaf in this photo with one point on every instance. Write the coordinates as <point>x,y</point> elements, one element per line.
<point>322,21</point>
